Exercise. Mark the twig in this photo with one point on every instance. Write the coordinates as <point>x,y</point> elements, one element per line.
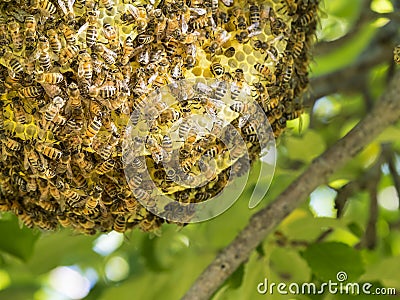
<point>263,222</point>
<point>351,78</point>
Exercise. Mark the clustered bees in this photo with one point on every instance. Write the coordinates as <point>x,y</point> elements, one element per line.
<point>73,72</point>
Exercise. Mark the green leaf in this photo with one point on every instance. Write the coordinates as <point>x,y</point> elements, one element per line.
<point>330,258</point>
<point>17,241</point>
<point>235,280</point>
<point>305,148</point>
<point>387,271</point>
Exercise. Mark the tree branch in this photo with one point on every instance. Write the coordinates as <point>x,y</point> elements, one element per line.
<point>263,222</point>
<point>352,77</point>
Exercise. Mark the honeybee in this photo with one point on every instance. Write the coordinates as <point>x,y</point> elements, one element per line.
<point>127,50</point>
<point>51,78</point>
<point>261,95</point>
<point>69,53</point>
<point>240,19</point>
<point>54,41</point>
<point>30,29</point>
<point>44,56</point>
<point>93,127</point>
<point>104,167</point>
<point>45,7</point>
<point>120,224</point>
<point>12,144</point>
<point>217,69</point>
<point>50,152</point>
<point>13,65</point>
<point>289,70</point>
<point>68,10</point>
<point>16,35</point>
<point>111,33</point>
<point>94,199</point>
<point>83,162</point>
<point>108,55</point>
<point>201,22</point>
<point>136,15</point>
<point>85,69</point>
<point>69,34</point>
<point>157,152</point>
<point>220,38</point>
<point>53,108</point>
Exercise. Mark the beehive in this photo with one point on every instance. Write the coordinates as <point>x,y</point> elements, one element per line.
<point>81,81</point>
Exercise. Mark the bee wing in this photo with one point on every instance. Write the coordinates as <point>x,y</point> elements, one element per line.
<point>62,6</point>
<point>83,28</point>
<point>70,4</point>
<point>227,3</point>
<point>198,11</point>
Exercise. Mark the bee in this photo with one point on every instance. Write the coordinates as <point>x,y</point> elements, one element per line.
<point>83,162</point>
<point>289,70</point>
<point>111,33</point>
<point>12,144</point>
<point>19,111</point>
<point>166,144</point>
<point>68,10</point>
<point>43,47</point>
<point>127,50</point>
<point>141,195</point>
<point>80,181</point>
<point>69,34</point>
<point>108,4</point>
<point>157,152</point>
<point>240,19</point>
<point>50,152</point>
<point>94,199</point>
<point>217,69</point>
<point>93,127</point>
<point>136,15</point>
<point>45,7</point>
<point>51,78</point>
<point>262,69</point>
<point>200,22</point>
<point>168,115</point>
<point>171,48</point>
<point>254,19</point>
<point>14,65</point>
<point>242,37</point>
<point>105,91</point>
<point>242,108</point>
<point>261,95</point>
<point>53,108</point>
<point>30,29</point>
<point>120,224</point>
<point>54,41</point>
<point>68,53</point>
<point>220,91</point>
<point>220,38</point>
<point>104,167</point>
<point>74,96</point>
<point>85,69</point>
<point>16,35</point>
<point>108,55</point>
<point>306,18</point>
<point>64,220</point>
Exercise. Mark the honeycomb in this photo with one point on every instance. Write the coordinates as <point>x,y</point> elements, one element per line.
<point>92,93</point>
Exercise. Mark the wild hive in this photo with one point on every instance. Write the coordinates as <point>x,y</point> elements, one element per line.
<point>77,75</point>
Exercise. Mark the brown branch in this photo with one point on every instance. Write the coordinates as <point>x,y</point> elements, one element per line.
<point>352,78</point>
<point>264,221</point>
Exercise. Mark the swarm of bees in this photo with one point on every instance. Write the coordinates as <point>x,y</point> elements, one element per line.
<point>74,74</point>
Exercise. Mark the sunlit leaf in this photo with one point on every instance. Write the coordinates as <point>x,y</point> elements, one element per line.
<point>328,259</point>
<point>17,241</point>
